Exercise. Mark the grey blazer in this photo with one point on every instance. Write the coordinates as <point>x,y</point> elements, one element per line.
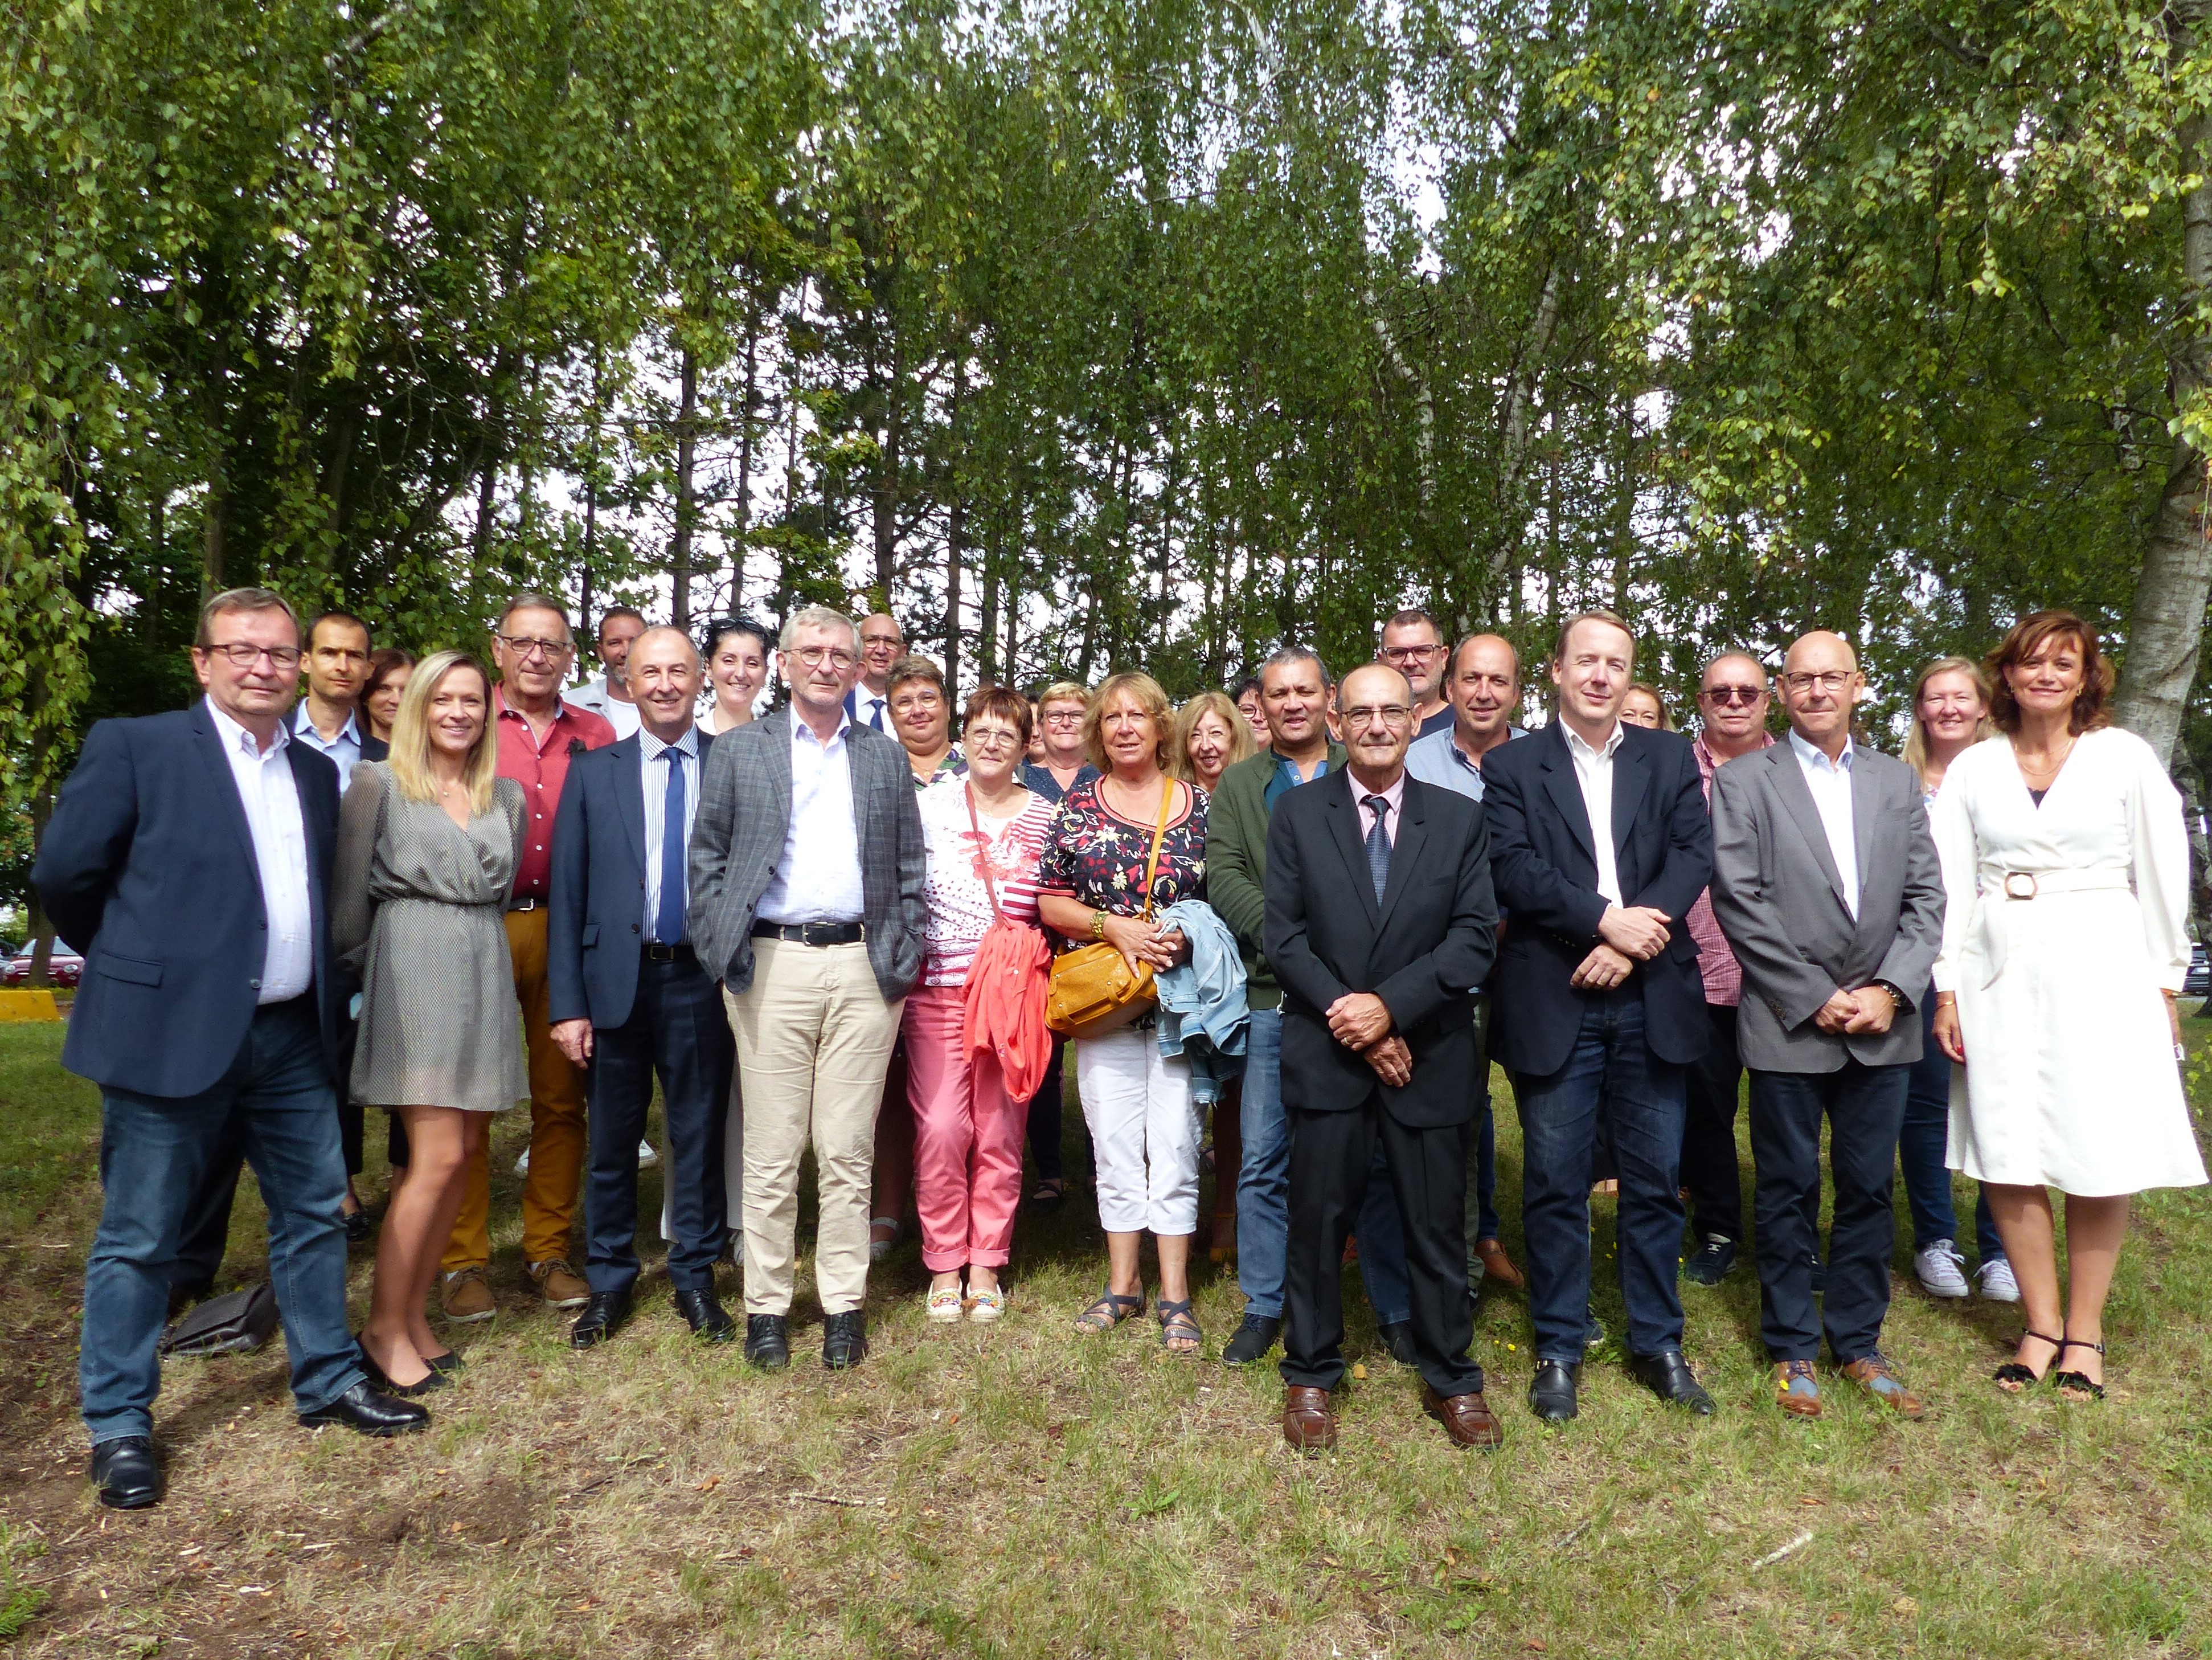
<point>744,819</point>
<point>1779,898</point>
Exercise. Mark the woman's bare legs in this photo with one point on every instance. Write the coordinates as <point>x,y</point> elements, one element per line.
<point>2095,1231</point>
<point>2025,1224</point>
<point>417,1225</point>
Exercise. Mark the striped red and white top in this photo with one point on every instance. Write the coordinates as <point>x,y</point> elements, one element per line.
<point>959,904</point>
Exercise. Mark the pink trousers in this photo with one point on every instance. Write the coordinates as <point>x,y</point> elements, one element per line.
<point>967,1138</point>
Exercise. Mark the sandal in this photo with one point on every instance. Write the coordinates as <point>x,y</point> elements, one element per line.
<point>2014,1378</point>
<point>1179,1332</point>
<point>1049,1194</point>
<point>1108,1311</point>
<point>943,1305</point>
<point>880,1248</point>
<point>2075,1385</point>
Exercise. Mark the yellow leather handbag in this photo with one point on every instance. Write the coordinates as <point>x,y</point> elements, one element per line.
<point>1093,989</point>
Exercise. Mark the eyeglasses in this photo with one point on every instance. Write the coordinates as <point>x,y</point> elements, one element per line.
<point>991,737</point>
<point>1390,714</point>
<point>524,648</point>
<point>1409,653</point>
<point>870,641</point>
<point>814,656</point>
<point>1829,680</point>
<point>244,656</point>
<point>1724,695</point>
<point>1064,718</point>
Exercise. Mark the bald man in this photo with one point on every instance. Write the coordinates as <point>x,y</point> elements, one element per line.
<point>1826,885</point>
<point>630,999</point>
<point>882,644</point>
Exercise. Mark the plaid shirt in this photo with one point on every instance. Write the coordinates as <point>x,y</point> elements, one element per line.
<point>1716,962</point>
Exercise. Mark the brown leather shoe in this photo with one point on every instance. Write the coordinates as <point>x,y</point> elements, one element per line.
<point>1497,1264</point>
<point>1308,1419</point>
<point>464,1298</point>
<point>561,1285</point>
<point>1467,1419</point>
<point>1796,1390</point>
<point>1872,1373</point>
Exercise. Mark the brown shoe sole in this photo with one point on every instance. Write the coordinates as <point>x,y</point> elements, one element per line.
<point>1796,1406</point>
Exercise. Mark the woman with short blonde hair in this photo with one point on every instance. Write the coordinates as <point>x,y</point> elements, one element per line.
<point>428,840</point>
<point>1136,687</point>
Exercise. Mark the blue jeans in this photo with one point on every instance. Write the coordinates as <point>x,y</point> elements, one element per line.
<point>277,1101</point>
<point>1610,1070</point>
<point>1263,1195</point>
<point>1921,1146</point>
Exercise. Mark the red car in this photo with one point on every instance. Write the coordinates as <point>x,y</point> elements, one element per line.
<point>64,966</point>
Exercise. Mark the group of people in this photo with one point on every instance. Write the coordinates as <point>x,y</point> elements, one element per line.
<point>441,887</point>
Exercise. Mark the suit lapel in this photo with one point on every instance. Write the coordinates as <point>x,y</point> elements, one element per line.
<point>1343,825</point>
<point>775,742</point>
<point>1864,808</point>
<point>629,794</point>
<point>1566,789</point>
<point>209,737</point>
<point>1797,796</point>
<point>1405,852</point>
<point>1631,777</point>
<point>856,759</point>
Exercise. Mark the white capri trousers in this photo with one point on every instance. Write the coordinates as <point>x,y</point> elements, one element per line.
<point>1144,1129</point>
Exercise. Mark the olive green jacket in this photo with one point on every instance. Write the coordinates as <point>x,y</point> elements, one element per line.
<point>1237,862</point>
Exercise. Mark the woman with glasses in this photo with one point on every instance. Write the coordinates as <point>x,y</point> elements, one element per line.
<point>1950,715</point>
<point>922,717</point>
<point>1249,704</point>
<point>737,659</point>
<point>1137,1101</point>
<point>985,835</point>
<point>428,842</point>
<point>1063,766</point>
<point>2065,939</point>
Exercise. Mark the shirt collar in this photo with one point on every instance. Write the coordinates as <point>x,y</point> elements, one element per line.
<point>305,727</point>
<point>1284,763</point>
<point>233,736</point>
<point>501,706</point>
<point>654,748</point>
<point>1576,746</point>
<point>799,725</point>
<point>1394,795</point>
<point>1809,756</point>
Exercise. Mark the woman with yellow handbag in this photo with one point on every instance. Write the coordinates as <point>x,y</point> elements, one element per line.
<point>1123,848</point>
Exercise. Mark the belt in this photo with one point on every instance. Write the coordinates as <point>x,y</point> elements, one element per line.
<point>681,952</point>
<point>2032,884</point>
<point>532,903</point>
<point>812,933</point>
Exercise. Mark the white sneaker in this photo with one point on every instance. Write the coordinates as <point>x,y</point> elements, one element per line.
<point>1998,1283</point>
<point>1942,1271</point>
<point>647,1157</point>
<point>522,1164</point>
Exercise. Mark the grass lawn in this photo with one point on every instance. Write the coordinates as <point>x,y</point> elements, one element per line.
<point>1016,1492</point>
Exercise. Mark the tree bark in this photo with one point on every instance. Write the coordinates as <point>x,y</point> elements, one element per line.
<point>687,452</point>
<point>956,532</point>
<point>2166,625</point>
<point>1515,439</point>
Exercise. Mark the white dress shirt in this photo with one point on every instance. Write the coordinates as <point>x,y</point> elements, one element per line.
<point>1831,784</point>
<point>598,697</point>
<point>345,749</point>
<point>271,799</point>
<point>656,812</point>
<point>818,878</point>
<point>1594,772</point>
<point>1395,796</point>
<point>871,709</point>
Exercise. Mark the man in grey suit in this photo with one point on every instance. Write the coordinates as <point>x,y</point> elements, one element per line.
<point>807,903</point>
<point>1826,885</point>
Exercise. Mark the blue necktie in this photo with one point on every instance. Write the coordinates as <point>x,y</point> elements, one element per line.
<point>876,714</point>
<point>1378,844</point>
<point>668,930</point>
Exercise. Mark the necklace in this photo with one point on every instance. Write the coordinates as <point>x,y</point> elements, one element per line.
<point>2049,769</point>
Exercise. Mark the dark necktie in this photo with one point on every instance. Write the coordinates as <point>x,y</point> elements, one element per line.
<point>1378,843</point>
<point>875,714</point>
<point>668,928</point>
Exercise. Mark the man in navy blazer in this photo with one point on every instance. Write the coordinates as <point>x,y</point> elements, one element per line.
<point>190,852</point>
<point>628,995</point>
<point>1598,1007</point>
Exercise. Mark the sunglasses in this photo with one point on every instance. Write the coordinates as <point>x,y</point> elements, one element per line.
<point>1746,695</point>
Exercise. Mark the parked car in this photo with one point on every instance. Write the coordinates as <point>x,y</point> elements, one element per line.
<point>2197,982</point>
<point>62,967</point>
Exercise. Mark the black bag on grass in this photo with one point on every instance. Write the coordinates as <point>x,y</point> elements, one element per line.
<point>236,1323</point>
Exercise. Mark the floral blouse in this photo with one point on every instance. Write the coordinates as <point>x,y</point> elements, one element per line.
<point>1096,857</point>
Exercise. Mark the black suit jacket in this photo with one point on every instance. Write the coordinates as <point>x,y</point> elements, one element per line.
<point>596,920</point>
<point>1546,868</point>
<point>1421,949</point>
<point>148,866</point>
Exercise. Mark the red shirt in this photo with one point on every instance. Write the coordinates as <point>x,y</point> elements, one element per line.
<point>1717,963</point>
<point>541,769</point>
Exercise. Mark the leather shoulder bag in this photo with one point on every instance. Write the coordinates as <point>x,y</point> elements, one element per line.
<point>1094,991</point>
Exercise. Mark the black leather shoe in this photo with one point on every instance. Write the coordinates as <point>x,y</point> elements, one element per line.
<point>1668,1376</point>
<point>1398,1337</point>
<point>359,1228</point>
<point>767,1344</point>
<point>364,1409</point>
<point>704,1312</point>
<point>607,1313</point>
<point>126,1473</point>
<point>1711,1263</point>
<point>1251,1339</point>
<point>380,1381</point>
<point>845,1340</point>
<point>1551,1393</point>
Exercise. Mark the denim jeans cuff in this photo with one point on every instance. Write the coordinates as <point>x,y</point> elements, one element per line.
<point>353,1375</point>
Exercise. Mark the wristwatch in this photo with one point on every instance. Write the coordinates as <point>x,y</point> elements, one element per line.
<point>1897,999</point>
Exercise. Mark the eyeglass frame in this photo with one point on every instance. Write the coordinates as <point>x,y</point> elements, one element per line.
<point>280,657</point>
<point>526,646</point>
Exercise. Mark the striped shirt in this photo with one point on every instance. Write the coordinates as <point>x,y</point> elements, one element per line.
<point>959,904</point>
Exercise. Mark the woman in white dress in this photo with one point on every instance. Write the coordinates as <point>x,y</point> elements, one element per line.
<point>2066,872</point>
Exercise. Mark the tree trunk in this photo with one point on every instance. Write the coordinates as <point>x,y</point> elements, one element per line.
<point>1515,433</point>
<point>42,929</point>
<point>955,529</point>
<point>887,494</point>
<point>2166,626</point>
<point>744,464</point>
<point>686,451</point>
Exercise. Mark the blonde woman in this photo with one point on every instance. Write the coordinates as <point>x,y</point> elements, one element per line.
<point>427,844</point>
<point>1950,714</point>
<point>1211,737</point>
<point>1643,706</point>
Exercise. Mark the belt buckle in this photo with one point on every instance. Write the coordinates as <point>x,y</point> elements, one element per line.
<point>2027,878</point>
<point>657,952</point>
<point>815,933</point>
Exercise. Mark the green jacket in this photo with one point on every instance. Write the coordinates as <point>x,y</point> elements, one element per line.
<point>1237,863</point>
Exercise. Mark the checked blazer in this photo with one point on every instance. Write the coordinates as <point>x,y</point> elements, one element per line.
<point>738,836</point>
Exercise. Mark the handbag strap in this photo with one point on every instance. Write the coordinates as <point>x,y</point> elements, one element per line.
<point>1159,830</point>
<point>976,825</point>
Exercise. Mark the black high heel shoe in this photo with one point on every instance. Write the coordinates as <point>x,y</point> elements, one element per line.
<point>2075,1385</point>
<point>2014,1378</point>
<point>383,1384</point>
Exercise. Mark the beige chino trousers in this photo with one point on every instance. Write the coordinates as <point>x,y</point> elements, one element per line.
<point>814,1039</point>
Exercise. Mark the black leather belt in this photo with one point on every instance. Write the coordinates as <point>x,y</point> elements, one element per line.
<point>676,953</point>
<point>812,933</point>
<point>527,905</point>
